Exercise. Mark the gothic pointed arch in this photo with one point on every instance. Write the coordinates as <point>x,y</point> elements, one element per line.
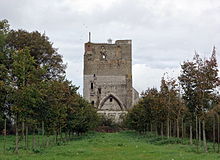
<point>113,97</point>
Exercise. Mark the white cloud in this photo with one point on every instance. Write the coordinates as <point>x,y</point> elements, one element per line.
<point>88,6</point>
<point>75,72</point>
<point>147,77</point>
<point>164,33</point>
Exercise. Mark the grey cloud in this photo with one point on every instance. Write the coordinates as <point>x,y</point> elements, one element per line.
<point>163,33</point>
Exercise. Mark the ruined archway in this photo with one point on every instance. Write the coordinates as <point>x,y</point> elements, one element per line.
<point>111,99</point>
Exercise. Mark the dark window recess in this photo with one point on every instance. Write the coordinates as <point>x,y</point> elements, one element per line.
<point>99,90</point>
<point>93,75</point>
<point>91,85</point>
<point>110,99</point>
<point>92,102</point>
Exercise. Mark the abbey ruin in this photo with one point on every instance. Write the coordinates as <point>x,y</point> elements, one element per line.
<point>107,77</point>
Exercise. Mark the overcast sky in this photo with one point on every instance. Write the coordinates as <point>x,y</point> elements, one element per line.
<point>164,33</point>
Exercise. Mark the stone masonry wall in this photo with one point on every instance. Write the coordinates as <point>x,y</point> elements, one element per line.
<point>108,77</point>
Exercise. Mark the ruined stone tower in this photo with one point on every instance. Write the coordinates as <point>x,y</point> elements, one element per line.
<point>107,77</point>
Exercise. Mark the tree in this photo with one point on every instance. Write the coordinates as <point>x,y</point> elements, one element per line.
<point>136,118</point>
<point>22,100</point>
<point>173,105</point>
<point>187,81</point>
<point>33,88</point>
<point>4,69</point>
<point>40,48</point>
<point>199,80</point>
<point>207,85</point>
<point>145,114</point>
<point>82,116</point>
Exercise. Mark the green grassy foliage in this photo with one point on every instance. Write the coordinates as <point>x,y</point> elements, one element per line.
<point>125,145</point>
<point>40,144</point>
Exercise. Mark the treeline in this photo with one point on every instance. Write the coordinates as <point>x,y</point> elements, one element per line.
<point>34,93</point>
<point>183,107</point>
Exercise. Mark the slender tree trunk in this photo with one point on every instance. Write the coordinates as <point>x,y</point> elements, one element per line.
<point>5,133</point>
<point>161,129</point>
<point>38,137</point>
<point>156,131</point>
<point>151,127</point>
<point>168,128</point>
<point>42,133</point>
<point>196,128</point>
<point>177,128</point>
<point>182,128</point>
<point>218,130</point>
<point>190,133</point>
<point>55,139</point>
<point>197,147</point>
<point>32,137</point>
<point>66,137</point>
<point>174,128</point>
<point>200,132</point>
<point>26,138</point>
<point>61,138</point>
<point>69,136</point>
<point>204,136</point>
<point>16,128</point>
<point>56,135</point>
<point>47,141</point>
<point>213,133</point>
<point>34,140</point>
<point>22,131</point>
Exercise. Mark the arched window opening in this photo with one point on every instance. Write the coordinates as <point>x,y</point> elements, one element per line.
<point>99,90</point>
<point>110,99</point>
<point>91,85</point>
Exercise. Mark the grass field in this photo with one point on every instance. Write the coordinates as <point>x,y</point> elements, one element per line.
<point>114,146</point>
